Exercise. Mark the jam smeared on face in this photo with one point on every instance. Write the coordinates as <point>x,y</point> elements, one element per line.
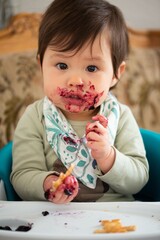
<point>79,98</point>
<point>91,87</point>
<point>80,87</point>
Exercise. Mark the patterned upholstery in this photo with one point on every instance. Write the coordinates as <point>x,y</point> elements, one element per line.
<point>20,85</point>
<point>139,87</point>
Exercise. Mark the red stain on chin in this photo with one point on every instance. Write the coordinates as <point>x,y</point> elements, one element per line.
<point>72,109</point>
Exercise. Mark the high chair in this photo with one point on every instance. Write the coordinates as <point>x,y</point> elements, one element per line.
<point>150,192</point>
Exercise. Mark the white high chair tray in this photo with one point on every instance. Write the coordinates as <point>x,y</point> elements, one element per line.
<point>77,221</point>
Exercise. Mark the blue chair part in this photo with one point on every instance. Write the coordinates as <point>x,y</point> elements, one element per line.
<point>5,170</point>
<point>151,191</point>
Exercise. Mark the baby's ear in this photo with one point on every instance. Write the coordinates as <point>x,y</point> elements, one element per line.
<point>121,69</point>
<point>38,60</point>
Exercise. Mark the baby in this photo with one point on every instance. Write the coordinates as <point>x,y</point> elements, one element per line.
<point>82,48</point>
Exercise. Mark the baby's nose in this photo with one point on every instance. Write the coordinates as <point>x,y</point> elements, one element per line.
<point>75,81</point>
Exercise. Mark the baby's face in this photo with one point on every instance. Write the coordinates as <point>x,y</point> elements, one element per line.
<point>79,82</point>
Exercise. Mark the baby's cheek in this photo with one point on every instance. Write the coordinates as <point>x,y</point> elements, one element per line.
<point>53,97</point>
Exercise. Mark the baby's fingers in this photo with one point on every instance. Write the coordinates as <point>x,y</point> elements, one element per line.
<point>59,197</point>
<point>101,119</point>
<point>95,128</point>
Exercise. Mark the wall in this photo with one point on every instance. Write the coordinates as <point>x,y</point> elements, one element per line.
<point>142,14</point>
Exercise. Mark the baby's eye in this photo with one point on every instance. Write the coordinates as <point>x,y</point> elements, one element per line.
<point>62,66</point>
<point>92,68</point>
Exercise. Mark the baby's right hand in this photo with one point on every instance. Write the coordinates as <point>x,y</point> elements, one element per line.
<point>65,193</point>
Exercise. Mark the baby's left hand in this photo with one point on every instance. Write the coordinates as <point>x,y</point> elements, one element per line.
<point>65,192</point>
<point>98,141</point>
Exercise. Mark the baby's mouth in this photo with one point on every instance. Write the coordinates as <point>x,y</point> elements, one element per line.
<point>72,98</point>
<point>86,100</point>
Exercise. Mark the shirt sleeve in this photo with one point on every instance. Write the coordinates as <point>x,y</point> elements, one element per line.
<point>29,161</point>
<point>130,170</point>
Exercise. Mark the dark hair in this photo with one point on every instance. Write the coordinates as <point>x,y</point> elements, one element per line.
<point>68,24</point>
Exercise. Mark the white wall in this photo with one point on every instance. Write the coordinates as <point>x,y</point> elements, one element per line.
<point>142,14</point>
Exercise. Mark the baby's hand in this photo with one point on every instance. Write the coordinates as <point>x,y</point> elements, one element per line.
<point>98,141</point>
<point>70,183</point>
<point>102,119</point>
<point>65,192</point>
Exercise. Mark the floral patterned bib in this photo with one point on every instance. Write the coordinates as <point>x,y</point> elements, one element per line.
<point>68,147</point>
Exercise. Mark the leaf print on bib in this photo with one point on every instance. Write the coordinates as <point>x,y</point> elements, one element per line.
<point>94,164</point>
<point>84,153</point>
<point>71,149</point>
<point>55,130</point>
<point>114,110</point>
<point>109,106</point>
<point>81,163</point>
<point>90,178</point>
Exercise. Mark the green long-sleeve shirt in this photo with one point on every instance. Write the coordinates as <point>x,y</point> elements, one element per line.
<point>34,159</point>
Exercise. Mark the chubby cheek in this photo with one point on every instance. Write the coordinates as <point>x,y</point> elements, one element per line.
<point>49,83</point>
<point>102,96</point>
<point>51,92</point>
<point>47,89</point>
<point>102,86</point>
